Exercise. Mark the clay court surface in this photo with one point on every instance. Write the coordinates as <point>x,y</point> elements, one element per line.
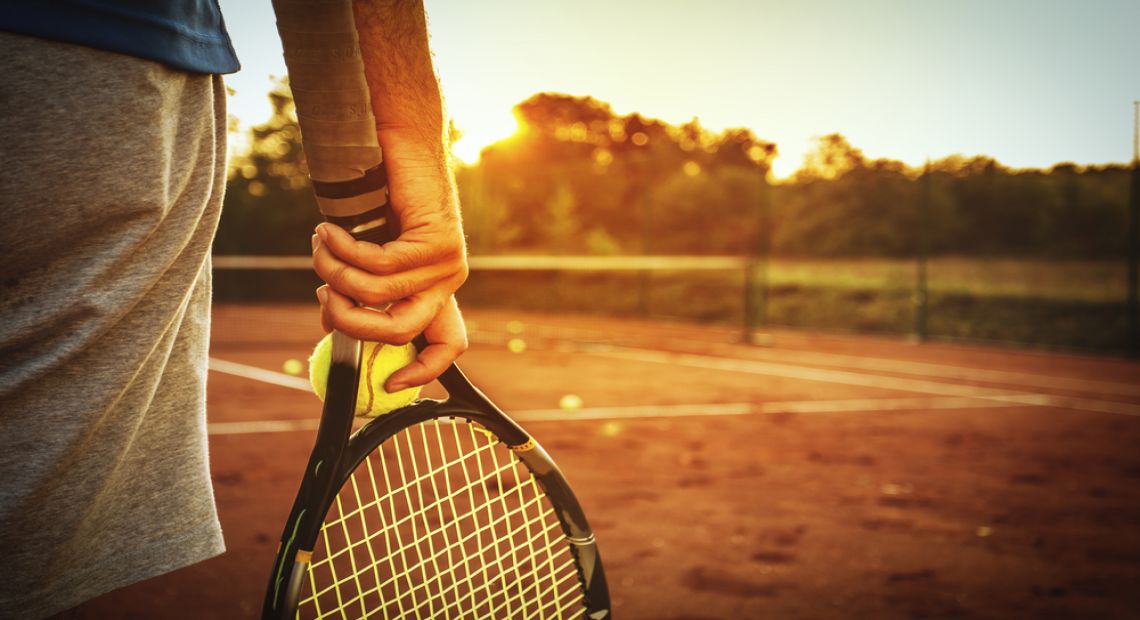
<point>822,476</point>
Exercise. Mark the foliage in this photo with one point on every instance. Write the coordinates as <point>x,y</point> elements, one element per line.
<point>269,207</point>
<point>580,178</point>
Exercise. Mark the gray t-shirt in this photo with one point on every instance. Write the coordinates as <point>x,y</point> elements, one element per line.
<point>112,171</point>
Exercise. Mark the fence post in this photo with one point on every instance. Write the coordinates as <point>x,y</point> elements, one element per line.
<point>1133,308</point>
<point>921,293</point>
<point>756,264</point>
<point>644,306</point>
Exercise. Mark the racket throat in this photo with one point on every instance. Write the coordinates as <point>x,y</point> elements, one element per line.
<point>297,578</point>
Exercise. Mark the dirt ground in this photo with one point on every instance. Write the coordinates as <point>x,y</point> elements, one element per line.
<point>856,478</point>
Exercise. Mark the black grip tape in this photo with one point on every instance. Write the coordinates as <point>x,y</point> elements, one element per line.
<point>358,225</point>
<point>380,234</point>
<point>375,178</point>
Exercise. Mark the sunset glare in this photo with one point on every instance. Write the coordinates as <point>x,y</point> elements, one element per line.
<point>486,125</point>
<point>1030,83</point>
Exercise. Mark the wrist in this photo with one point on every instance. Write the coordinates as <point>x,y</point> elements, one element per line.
<point>414,147</point>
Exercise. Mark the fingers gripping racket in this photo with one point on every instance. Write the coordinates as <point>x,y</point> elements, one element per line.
<point>442,509</point>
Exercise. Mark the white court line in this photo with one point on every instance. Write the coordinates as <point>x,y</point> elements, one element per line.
<point>811,358</point>
<point>731,409</point>
<point>951,396</point>
<point>866,380</point>
<point>260,374</point>
<point>854,362</point>
<point>261,426</point>
<point>950,372</point>
<point>662,411</point>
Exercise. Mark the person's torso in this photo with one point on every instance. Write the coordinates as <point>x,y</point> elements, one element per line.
<point>185,34</point>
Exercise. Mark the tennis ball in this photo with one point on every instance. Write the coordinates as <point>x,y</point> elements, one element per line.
<point>570,402</point>
<point>377,363</point>
<point>292,367</point>
<point>516,345</point>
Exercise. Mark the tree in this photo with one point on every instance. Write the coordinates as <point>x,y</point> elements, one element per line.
<point>269,207</point>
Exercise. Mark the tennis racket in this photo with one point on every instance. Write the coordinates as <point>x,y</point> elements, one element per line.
<point>442,509</point>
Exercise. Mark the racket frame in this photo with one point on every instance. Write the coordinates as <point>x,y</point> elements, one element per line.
<point>336,456</point>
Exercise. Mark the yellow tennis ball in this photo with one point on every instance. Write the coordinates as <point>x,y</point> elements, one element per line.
<point>570,402</point>
<point>377,363</point>
<point>292,367</point>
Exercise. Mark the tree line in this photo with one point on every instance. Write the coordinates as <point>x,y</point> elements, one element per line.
<point>579,178</point>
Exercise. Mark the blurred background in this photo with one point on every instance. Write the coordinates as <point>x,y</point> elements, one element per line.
<point>958,171</point>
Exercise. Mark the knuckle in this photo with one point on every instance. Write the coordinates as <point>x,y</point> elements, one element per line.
<point>371,297</point>
<point>359,252</point>
<point>399,288</point>
<point>376,259</point>
<point>457,251</point>
<point>451,253</point>
<point>338,276</point>
<point>417,256</point>
<point>405,330</point>
<point>401,336</point>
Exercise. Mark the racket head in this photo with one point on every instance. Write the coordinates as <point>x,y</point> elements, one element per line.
<point>442,509</point>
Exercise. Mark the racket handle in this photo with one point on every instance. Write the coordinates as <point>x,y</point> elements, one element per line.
<point>377,224</point>
<point>379,235</point>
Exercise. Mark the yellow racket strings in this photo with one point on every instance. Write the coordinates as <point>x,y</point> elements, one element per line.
<point>442,521</point>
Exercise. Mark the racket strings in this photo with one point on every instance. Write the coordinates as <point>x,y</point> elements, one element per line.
<point>442,521</point>
<point>385,500</point>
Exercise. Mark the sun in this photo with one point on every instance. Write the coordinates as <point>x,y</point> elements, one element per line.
<point>480,128</point>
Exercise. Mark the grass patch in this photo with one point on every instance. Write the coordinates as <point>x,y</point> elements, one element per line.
<point>1063,304</point>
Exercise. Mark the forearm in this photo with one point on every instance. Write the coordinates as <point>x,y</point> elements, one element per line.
<point>406,285</point>
<point>402,83</point>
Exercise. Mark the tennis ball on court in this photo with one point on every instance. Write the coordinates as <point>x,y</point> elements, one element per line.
<point>570,402</point>
<point>516,345</point>
<point>292,367</point>
<point>611,429</point>
<point>377,363</point>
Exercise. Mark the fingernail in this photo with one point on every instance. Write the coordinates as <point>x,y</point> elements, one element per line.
<point>322,232</point>
<point>323,295</point>
<point>316,241</point>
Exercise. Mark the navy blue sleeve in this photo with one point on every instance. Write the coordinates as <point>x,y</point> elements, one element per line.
<point>184,34</point>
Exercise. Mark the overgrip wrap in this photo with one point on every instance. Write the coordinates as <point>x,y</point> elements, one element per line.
<point>334,110</point>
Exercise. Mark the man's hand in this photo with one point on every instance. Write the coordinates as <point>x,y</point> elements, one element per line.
<point>419,272</point>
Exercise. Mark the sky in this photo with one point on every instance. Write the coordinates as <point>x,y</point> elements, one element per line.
<point>1029,82</point>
